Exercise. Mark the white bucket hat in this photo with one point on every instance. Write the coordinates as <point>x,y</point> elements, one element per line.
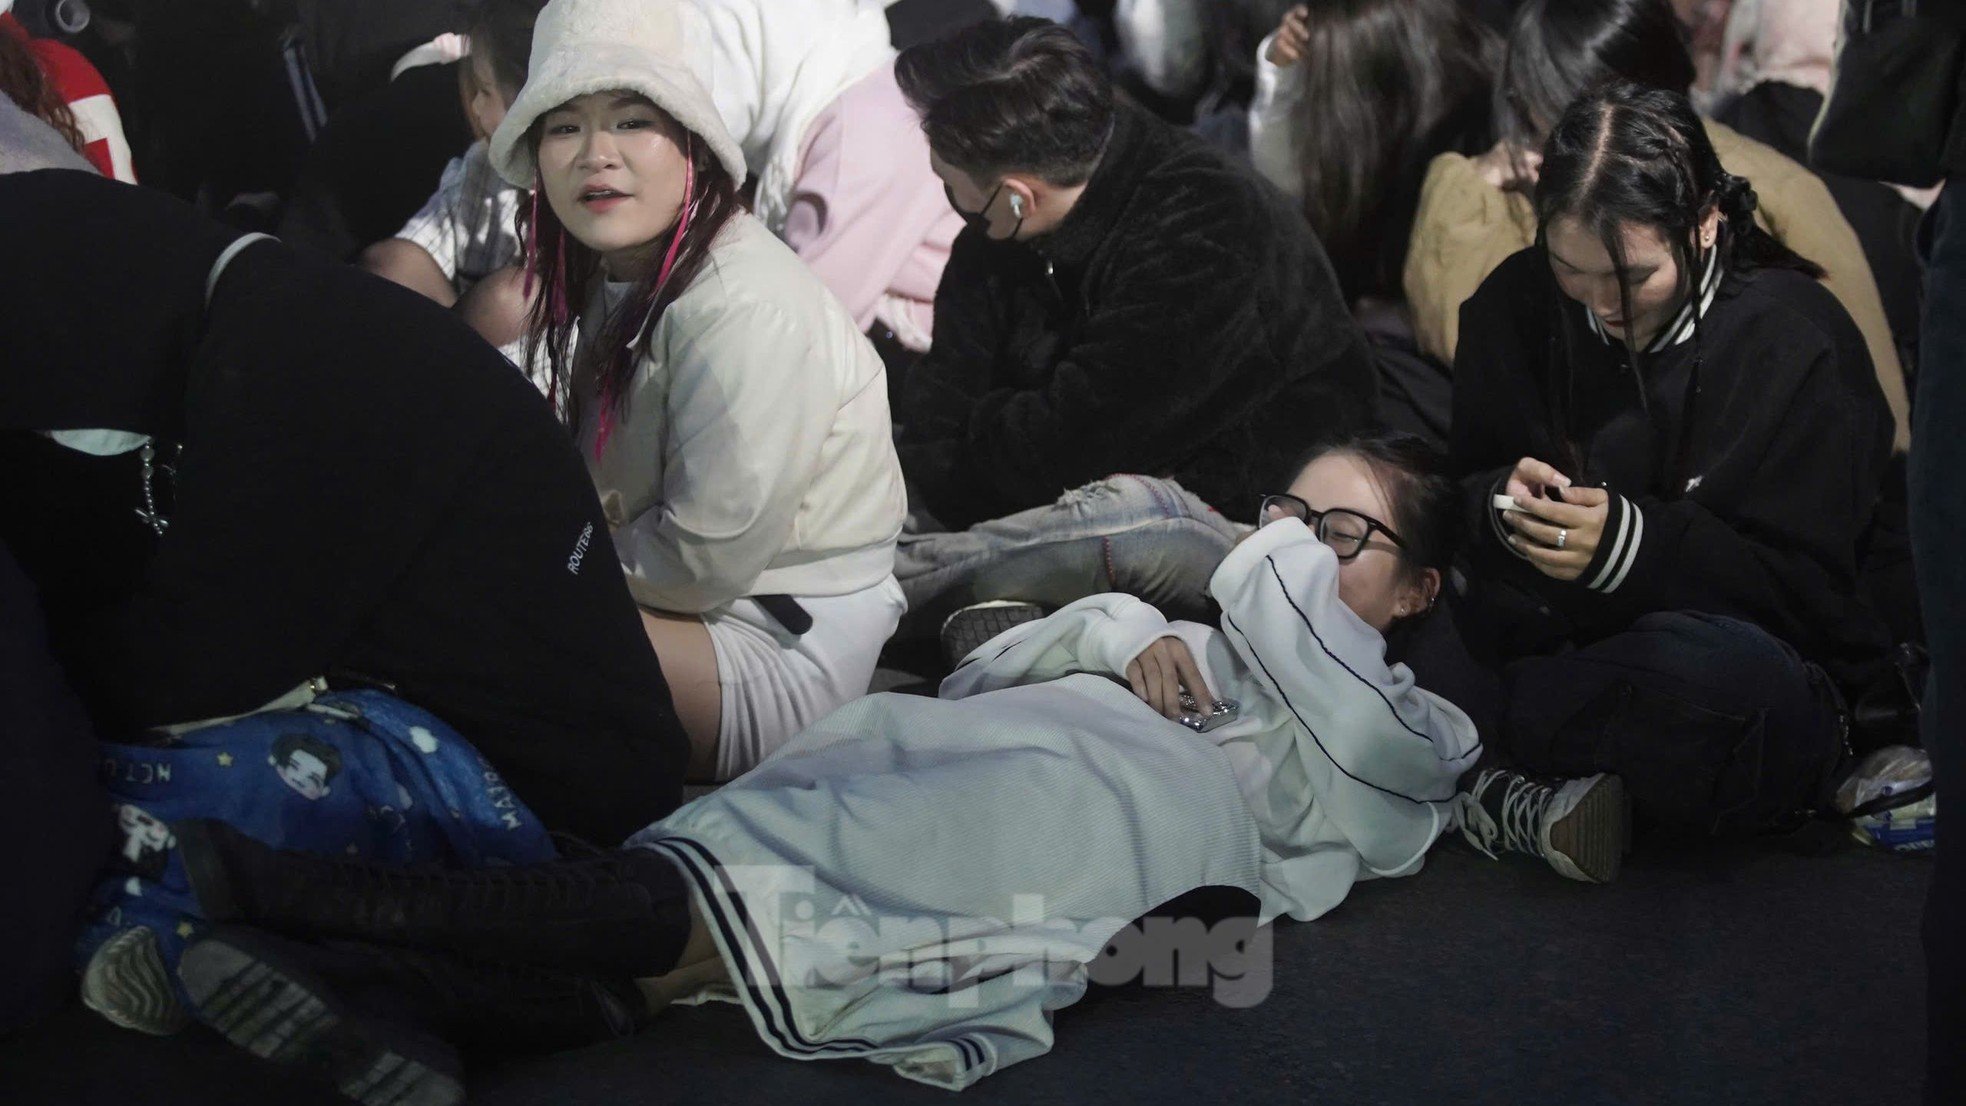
<point>643,46</point>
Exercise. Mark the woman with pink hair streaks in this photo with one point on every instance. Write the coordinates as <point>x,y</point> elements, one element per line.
<point>732,414</point>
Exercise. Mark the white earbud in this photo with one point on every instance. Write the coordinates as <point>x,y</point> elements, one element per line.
<point>1017,205</point>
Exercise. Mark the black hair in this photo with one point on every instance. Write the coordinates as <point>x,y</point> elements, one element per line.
<point>567,271</point>
<point>502,29</point>
<point>1625,155</point>
<point>1557,49</point>
<point>1419,483</point>
<point>1388,85</point>
<point>287,744</point>
<point>1011,95</point>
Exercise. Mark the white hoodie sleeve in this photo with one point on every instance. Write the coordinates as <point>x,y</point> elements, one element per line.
<point>1273,122</point>
<point>1100,633</point>
<point>1380,756</point>
<point>748,409</point>
<point>1166,41</point>
<point>732,68</point>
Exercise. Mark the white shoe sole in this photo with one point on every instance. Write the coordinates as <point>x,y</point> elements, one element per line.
<point>1591,831</point>
<point>975,626</point>
<point>126,982</point>
<point>280,1014</point>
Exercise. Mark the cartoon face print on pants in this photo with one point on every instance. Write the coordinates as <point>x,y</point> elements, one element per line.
<point>147,841</point>
<point>393,818</point>
<point>306,763</point>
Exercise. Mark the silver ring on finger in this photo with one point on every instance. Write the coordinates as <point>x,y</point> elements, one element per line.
<point>1562,538</point>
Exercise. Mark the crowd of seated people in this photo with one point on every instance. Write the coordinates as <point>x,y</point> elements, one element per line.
<point>1293,434</point>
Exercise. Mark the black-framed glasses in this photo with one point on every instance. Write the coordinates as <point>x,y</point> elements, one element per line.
<point>1346,531</point>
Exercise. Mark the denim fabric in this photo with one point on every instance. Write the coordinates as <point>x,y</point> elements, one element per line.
<point>1136,534</point>
<point>355,774</point>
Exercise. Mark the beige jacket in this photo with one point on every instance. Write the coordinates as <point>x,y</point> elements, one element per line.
<point>1466,227</point>
<point>755,454</point>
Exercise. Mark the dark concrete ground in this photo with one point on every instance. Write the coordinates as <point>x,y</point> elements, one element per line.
<point>1740,976</point>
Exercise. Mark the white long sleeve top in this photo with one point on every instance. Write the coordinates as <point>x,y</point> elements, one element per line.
<point>1167,41</point>
<point>1272,122</point>
<point>774,66</point>
<point>754,454</point>
<point>1348,767</point>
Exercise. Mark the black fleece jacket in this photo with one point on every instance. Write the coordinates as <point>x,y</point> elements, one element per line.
<point>1758,518</point>
<point>1182,321</point>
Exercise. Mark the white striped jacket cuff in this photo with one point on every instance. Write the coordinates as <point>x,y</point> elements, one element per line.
<point>1617,549</point>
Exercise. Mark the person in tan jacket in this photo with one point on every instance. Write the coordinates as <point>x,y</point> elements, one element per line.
<point>1475,211</point>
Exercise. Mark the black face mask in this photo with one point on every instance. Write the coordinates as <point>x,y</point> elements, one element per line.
<point>980,218</point>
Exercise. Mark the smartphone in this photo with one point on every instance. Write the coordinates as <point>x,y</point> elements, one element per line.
<point>1507,502</point>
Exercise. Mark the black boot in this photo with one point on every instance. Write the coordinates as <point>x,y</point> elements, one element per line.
<point>622,915</point>
<point>384,1024</point>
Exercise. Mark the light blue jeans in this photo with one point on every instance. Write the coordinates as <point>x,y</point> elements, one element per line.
<point>1136,534</point>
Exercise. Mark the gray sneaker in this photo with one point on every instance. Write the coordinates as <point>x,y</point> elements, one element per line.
<point>1582,827</point>
<point>259,993</point>
<point>126,983</point>
<point>971,627</point>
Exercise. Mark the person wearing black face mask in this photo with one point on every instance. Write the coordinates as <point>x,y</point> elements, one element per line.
<point>1123,299</point>
<point>979,220</point>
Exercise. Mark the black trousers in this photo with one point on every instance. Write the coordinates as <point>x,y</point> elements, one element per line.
<point>1716,726</point>
<point>55,813</point>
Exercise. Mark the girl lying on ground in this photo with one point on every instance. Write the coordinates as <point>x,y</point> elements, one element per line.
<point>933,825</point>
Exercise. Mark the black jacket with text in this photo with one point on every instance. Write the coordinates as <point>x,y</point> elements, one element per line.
<point>365,489</point>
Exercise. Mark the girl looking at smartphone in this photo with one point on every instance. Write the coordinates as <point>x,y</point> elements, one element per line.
<point>1672,440</point>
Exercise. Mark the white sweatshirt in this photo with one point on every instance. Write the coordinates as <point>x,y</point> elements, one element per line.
<point>774,66</point>
<point>1349,769</point>
<point>1166,41</point>
<point>755,454</point>
<point>1273,123</point>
